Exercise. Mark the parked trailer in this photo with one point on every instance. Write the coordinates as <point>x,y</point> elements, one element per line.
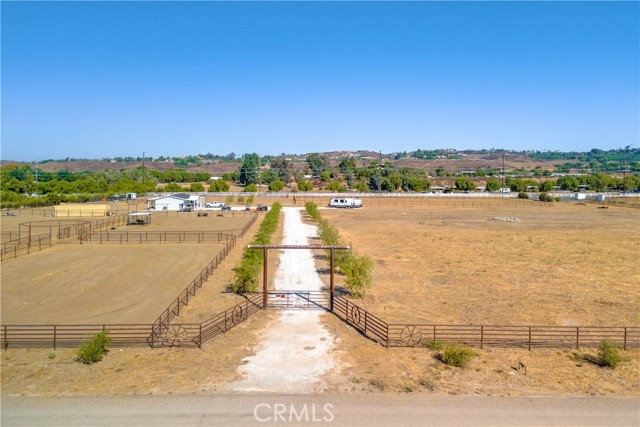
<point>345,202</point>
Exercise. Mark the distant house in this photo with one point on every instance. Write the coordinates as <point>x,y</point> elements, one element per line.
<point>176,202</point>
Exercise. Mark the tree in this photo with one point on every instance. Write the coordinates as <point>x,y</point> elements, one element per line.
<point>305,185</point>
<point>546,185</point>
<point>249,169</point>
<point>493,184</point>
<point>318,163</point>
<point>335,186</point>
<point>173,187</point>
<point>568,183</point>
<point>276,185</point>
<point>219,186</point>
<point>196,187</point>
<point>464,183</point>
<point>347,165</point>
<point>251,188</point>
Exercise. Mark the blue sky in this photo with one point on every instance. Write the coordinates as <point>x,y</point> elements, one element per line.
<point>106,79</point>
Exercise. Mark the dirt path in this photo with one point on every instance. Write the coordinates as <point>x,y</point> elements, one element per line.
<point>295,351</point>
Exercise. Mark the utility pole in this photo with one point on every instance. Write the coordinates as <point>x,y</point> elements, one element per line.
<point>143,153</point>
<point>502,189</point>
<point>624,172</point>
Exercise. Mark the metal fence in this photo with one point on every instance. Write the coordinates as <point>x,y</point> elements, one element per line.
<point>229,318</point>
<point>23,246</point>
<point>123,237</point>
<point>423,335</point>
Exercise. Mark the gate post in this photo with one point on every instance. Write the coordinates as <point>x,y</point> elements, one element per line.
<point>331,282</point>
<point>264,280</point>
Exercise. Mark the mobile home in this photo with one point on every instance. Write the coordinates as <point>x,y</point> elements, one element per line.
<point>345,202</point>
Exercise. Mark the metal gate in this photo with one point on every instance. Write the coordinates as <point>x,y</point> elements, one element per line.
<point>298,300</point>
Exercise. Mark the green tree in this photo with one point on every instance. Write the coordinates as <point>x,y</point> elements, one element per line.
<point>173,187</point>
<point>568,183</point>
<point>276,185</point>
<point>219,186</point>
<point>546,185</point>
<point>249,169</point>
<point>493,185</point>
<point>305,185</point>
<point>318,163</point>
<point>196,187</point>
<point>464,183</point>
<point>251,188</point>
<point>347,165</point>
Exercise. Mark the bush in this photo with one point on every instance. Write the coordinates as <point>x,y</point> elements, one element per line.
<point>219,186</point>
<point>276,185</point>
<point>609,355</point>
<point>248,272</point>
<point>196,187</point>
<point>457,355</point>
<point>251,188</point>
<point>435,345</point>
<point>94,348</point>
<point>358,272</point>
<point>250,199</point>
<point>305,185</point>
<point>523,195</point>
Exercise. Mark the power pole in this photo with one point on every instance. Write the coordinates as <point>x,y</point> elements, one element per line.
<point>624,172</point>
<point>502,189</point>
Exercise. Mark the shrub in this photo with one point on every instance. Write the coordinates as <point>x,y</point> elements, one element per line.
<point>240,199</point>
<point>250,199</point>
<point>94,348</point>
<point>219,186</point>
<point>305,185</point>
<point>251,188</point>
<point>172,187</point>
<point>276,185</point>
<point>609,355</point>
<point>435,345</point>
<point>248,272</point>
<point>52,355</point>
<point>229,200</point>
<point>196,187</point>
<point>457,355</point>
<point>358,272</point>
<point>523,195</point>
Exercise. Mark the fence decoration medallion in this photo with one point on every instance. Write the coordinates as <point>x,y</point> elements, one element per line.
<point>354,315</point>
<point>411,335</point>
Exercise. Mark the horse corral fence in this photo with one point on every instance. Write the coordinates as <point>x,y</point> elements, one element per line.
<point>163,332</point>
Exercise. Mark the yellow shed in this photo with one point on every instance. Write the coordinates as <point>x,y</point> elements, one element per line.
<point>82,209</point>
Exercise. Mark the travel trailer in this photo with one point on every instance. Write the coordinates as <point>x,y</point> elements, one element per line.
<point>345,202</point>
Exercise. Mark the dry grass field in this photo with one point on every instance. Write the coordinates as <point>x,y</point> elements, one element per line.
<point>568,264</point>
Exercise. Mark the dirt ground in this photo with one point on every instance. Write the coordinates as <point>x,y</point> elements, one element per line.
<point>569,264</point>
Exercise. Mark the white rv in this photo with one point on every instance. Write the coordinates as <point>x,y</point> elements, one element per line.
<point>345,202</point>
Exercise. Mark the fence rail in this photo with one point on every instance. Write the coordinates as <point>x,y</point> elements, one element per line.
<point>122,237</point>
<point>71,335</point>
<point>24,245</point>
<point>222,322</point>
<point>164,320</point>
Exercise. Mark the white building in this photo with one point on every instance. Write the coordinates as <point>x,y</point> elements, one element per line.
<point>176,202</point>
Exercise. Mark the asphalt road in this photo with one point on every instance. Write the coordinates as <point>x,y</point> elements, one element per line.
<point>318,410</point>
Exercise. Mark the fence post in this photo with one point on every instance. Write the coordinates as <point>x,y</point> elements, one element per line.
<point>577,338</point>
<point>200,338</point>
<point>481,336</point>
<point>529,338</point>
<point>54,336</point>
<point>624,347</point>
<point>365,322</point>
<point>434,333</point>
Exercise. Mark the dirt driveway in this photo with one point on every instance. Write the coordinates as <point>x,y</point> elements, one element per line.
<point>295,350</point>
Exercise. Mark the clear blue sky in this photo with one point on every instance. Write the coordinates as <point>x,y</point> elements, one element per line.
<point>106,79</point>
